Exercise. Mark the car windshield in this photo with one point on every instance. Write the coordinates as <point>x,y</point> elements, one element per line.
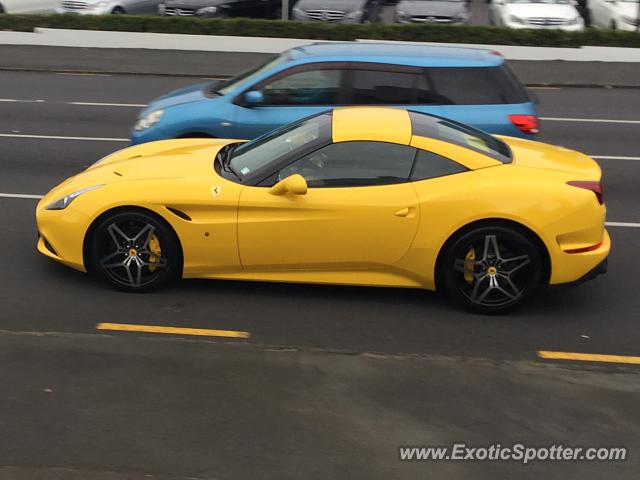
<point>253,156</point>
<point>231,85</point>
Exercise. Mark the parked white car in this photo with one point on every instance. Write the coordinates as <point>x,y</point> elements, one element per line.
<point>28,6</point>
<point>561,14</point>
<point>616,14</point>
<point>105,7</point>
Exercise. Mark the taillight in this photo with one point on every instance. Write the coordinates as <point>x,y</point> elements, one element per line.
<point>526,123</point>
<point>584,249</point>
<point>595,187</point>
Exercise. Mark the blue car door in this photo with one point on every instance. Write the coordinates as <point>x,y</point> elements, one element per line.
<point>288,96</point>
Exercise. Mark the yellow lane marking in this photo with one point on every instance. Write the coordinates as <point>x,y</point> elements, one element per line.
<point>205,332</point>
<point>589,357</point>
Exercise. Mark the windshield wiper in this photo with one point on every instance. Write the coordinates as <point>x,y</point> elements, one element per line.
<point>224,156</point>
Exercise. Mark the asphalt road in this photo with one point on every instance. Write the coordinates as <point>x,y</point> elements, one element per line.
<point>332,379</point>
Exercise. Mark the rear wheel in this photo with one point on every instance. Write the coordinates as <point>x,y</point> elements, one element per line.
<point>134,251</point>
<point>117,11</point>
<point>491,269</point>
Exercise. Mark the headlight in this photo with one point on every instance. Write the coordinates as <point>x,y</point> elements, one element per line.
<point>149,120</point>
<point>99,5</point>
<point>207,11</point>
<point>355,15</point>
<point>514,19</point>
<point>162,8</point>
<point>574,21</point>
<point>298,13</point>
<point>64,202</point>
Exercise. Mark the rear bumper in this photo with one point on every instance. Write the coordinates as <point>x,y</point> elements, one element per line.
<point>576,268</point>
<point>596,271</point>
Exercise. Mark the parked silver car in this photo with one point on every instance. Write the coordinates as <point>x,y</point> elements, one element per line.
<point>336,11</point>
<point>104,7</point>
<point>432,11</point>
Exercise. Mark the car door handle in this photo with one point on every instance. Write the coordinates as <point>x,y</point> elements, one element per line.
<point>403,212</point>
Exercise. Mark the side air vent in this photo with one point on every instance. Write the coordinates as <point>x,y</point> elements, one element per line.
<point>179,213</point>
<point>48,246</point>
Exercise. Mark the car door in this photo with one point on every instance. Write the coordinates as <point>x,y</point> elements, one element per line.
<point>390,85</point>
<point>288,96</point>
<point>359,212</point>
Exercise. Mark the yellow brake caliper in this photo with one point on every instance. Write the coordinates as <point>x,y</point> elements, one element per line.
<point>468,265</point>
<point>156,252</point>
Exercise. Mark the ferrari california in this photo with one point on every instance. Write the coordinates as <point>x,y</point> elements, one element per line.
<point>358,195</point>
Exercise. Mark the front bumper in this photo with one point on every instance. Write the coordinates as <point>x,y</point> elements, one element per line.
<point>61,234</point>
<point>578,27</point>
<point>89,11</point>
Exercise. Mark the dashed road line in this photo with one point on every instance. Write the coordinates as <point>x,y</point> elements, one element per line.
<point>613,157</point>
<point>20,195</point>
<point>98,104</point>
<point>589,120</point>
<point>56,137</point>
<point>623,224</point>
<point>201,332</point>
<point>588,357</point>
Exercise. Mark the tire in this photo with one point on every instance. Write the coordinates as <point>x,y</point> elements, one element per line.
<point>491,269</point>
<point>613,25</point>
<point>117,11</point>
<point>1,9</point>
<point>134,251</point>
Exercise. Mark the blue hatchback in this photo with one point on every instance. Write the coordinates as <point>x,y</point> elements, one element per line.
<point>472,86</point>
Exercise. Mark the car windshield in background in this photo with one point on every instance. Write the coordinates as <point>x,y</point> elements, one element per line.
<point>231,85</point>
<point>441,128</point>
<point>253,156</point>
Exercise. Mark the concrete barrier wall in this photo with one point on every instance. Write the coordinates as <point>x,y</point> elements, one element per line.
<point>210,43</point>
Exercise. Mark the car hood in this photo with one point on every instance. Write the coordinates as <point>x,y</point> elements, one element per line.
<point>341,5</point>
<point>541,10</point>
<point>191,158</point>
<point>431,7</point>
<point>528,153</point>
<point>190,94</point>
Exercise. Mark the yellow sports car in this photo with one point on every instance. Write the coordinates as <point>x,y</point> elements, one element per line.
<point>358,195</point>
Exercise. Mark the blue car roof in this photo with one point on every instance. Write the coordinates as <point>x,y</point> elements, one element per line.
<point>397,53</point>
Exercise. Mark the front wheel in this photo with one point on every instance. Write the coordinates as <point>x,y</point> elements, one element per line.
<point>491,269</point>
<point>134,251</point>
<point>117,11</point>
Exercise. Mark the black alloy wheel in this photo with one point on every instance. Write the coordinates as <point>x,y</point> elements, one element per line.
<point>491,269</point>
<point>134,251</point>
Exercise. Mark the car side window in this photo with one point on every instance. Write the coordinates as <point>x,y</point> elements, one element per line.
<point>389,88</point>
<point>354,164</point>
<point>310,87</point>
<point>431,165</point>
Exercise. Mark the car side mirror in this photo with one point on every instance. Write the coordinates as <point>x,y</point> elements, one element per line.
<point>295,184</point>
<point>253,98</point>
